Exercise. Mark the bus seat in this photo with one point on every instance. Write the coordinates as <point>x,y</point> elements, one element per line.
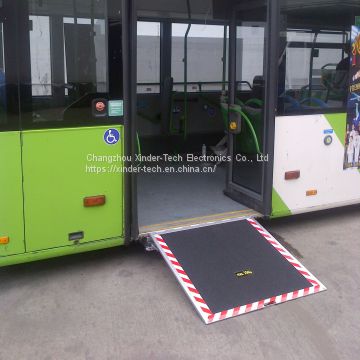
<point>258,87</point>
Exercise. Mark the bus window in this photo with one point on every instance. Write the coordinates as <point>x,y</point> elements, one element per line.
<point>2,60</point>
<point>9,105</point>
<point>314,58</point>
<point>40,55</point>
<point>148,57</point>
<point>65,63</point>
<point>205,57</point>
<point>312,75</point>
<point>250,66</point>
<point>2,79</point>
<point>203,10</point>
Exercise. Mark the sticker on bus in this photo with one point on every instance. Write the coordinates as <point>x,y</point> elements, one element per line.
<point>116,108</point>
<point>111,136</point>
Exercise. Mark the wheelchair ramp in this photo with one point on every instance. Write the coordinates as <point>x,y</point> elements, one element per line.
<point>233,268</point>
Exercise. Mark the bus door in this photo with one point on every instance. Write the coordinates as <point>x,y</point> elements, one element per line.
<point>71,130</point>
<point>11,209</point>
<point>249,106</point>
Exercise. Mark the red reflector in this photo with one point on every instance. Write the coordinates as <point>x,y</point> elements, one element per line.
<point>94,200</point>
<point>292,175</point>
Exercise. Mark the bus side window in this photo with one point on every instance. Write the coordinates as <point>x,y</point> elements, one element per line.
<point>313,64</point>
<point>66,63</point>
<point>3,106</point>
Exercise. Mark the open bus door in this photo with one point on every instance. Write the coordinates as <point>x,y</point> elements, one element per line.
<point>235,266</point>
<point>251,104</point>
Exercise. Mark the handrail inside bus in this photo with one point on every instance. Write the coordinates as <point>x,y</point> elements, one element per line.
<point>224,58</point>
<point>186,69</point>
<point>138,146</point>
<point>200,83</point>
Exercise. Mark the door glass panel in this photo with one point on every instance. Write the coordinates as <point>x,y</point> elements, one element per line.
<point>11,195</point>
<point>148,57</point>
<point>250,96</point>
<point>3,116</point>
<point>64,66</point>
<point>205,51</point>
<point>9,113</point>
<point>40,56</point>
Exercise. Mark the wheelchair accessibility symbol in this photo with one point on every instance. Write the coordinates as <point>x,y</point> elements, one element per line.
<point>111,136</point>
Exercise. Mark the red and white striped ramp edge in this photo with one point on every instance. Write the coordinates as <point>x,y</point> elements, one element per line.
<point>200,304</point>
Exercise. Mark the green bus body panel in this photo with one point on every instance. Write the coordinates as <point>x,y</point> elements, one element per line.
<point>279,208</point>
<point>338,123</point>
<point>62,251</point>
<point>56,181</point>
<point>11,195</point>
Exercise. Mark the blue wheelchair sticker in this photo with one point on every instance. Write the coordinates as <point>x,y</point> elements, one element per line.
<point>111,136</point>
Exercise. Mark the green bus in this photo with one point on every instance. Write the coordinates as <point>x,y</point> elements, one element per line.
<point>120,118</point>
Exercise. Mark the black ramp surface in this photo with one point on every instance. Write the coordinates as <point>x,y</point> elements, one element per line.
<point>213,255</point>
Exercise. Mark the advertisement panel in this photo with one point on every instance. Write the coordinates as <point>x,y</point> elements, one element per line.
<point>352,141</point>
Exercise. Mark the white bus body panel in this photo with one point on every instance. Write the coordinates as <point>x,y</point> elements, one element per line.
<point>299,145</point>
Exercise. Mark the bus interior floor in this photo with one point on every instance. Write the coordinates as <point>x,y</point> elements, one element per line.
<point>164,197</point>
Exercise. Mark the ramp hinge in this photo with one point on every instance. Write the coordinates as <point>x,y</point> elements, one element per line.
<point>148,243</point>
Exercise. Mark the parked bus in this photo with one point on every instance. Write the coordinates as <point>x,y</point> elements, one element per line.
<point>123,118</point>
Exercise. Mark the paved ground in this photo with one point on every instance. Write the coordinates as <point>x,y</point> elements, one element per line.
<point>125,304</point>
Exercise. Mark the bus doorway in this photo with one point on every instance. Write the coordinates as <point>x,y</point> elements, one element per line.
<point>196,76</point>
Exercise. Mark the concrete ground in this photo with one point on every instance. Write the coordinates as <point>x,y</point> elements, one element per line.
<point>125,304</point>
